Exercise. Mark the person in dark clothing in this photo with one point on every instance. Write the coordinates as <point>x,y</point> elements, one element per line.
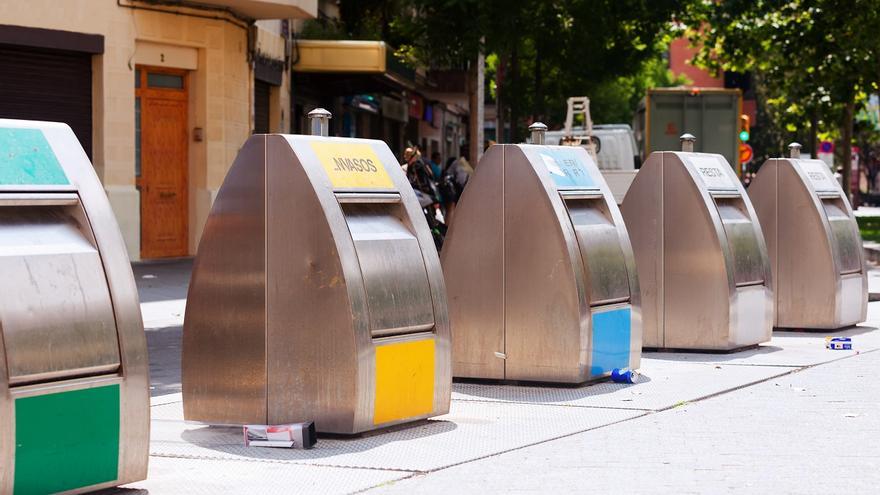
<point>422,181</point>
<point>419,174</point>
<point>452,184</point>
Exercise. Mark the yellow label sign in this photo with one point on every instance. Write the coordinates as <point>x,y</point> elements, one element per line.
<point>404,381</point>
<point>352,165</point>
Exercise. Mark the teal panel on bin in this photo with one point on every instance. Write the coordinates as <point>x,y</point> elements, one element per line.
<point>27,159</point>
<point>611,340</point>
<point>66,440</point>
<point>566,168</point>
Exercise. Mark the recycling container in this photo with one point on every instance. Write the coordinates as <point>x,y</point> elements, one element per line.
<point>317,293</point>
<point>539,268</point>
<point>814,244</point>
<point>702,260</point>
<point>74,396</point>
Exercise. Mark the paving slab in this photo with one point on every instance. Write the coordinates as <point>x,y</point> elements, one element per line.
<point>470,431</point>
<point>759,420</point>
<point>813,431</point>
<point>171,475</point>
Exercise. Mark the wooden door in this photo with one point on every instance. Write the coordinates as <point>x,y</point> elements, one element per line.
<point>163,161</point>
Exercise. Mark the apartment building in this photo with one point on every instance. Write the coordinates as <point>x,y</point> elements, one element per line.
<point>161,94</point>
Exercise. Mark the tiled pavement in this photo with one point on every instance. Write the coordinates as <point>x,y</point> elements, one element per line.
<point>789,417</point>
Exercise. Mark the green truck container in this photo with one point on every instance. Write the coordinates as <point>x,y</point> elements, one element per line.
<point>710,114</point>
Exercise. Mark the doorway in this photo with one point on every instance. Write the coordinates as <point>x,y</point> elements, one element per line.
<point>161,160</point>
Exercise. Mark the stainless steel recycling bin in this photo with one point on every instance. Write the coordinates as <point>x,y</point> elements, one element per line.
<point>317,292</point>
<point>703,266</point>
<point>540,273</point>
<point>814,243</point>
<point>74,397</point>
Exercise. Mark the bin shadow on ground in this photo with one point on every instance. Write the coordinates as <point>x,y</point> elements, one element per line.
<point>540,392</point>
<point>228,440</point>
<point>711,357</point>
<point>851,331</point>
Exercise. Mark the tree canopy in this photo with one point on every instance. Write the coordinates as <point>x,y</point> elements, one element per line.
<point>546,50</point>
<point>815,60</point>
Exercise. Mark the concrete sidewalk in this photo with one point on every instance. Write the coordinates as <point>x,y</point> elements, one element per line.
<point>789,416</point>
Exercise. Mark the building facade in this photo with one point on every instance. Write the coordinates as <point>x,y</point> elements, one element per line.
<point>161,95</point>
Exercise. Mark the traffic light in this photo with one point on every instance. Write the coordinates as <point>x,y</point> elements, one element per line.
<point>744,128</point>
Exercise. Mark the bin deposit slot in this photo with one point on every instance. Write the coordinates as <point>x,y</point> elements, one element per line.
<point>395,278</point>
<point>368,197</point>
<point>599,245</point>
<point>568,195</point>
<point>845,241</point>
<point>56,316</point>
<point>742,239</point>
<point>13,199</point>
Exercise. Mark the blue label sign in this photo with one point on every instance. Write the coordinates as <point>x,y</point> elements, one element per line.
<point>27,159</point>
<point>566,168</point>
<point>611,340</point>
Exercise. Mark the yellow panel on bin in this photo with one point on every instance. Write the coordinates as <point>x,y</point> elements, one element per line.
<point>404,380</point>
<point>352,165</point>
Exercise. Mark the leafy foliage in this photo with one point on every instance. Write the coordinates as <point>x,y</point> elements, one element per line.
<point>546,51</point>
<point>815,58</point>
<point>539,52</point>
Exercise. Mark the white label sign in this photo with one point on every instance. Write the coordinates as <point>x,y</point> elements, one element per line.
<point>817,173</point>
<point>712,171</point>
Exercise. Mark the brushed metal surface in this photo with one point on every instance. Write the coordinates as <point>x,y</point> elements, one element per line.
<point>57,318</point>
<point>703,265</point>
<point>601,250</point>
<point>643,214</point>
<point>546,327</point>
<point>525,259</point>
<point>742,237</point>
<point>846,241</point>
<point>223,368</point>
<point>97,224</point>
<point>398,294</point>
<point>473,264</point>
<point>320,273</point>
<point>813,241</point>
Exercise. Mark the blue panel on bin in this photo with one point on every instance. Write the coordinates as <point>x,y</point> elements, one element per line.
<point>611,339</point>
<point>567,168</point>
<point>27,159</point>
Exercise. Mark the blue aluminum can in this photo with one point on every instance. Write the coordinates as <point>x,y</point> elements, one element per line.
<point>623,376</point>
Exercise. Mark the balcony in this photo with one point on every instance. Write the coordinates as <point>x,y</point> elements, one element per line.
<point>265,9</point>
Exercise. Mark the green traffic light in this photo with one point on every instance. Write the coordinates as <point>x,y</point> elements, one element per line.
<point>744,136</point>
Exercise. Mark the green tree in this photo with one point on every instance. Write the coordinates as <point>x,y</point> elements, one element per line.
<point>615,101</point>
<point>816,58</point>
<point>547,50</point>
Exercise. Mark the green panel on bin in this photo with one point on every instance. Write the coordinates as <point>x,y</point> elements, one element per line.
<point>27,159</point>
<point>66,440</point>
